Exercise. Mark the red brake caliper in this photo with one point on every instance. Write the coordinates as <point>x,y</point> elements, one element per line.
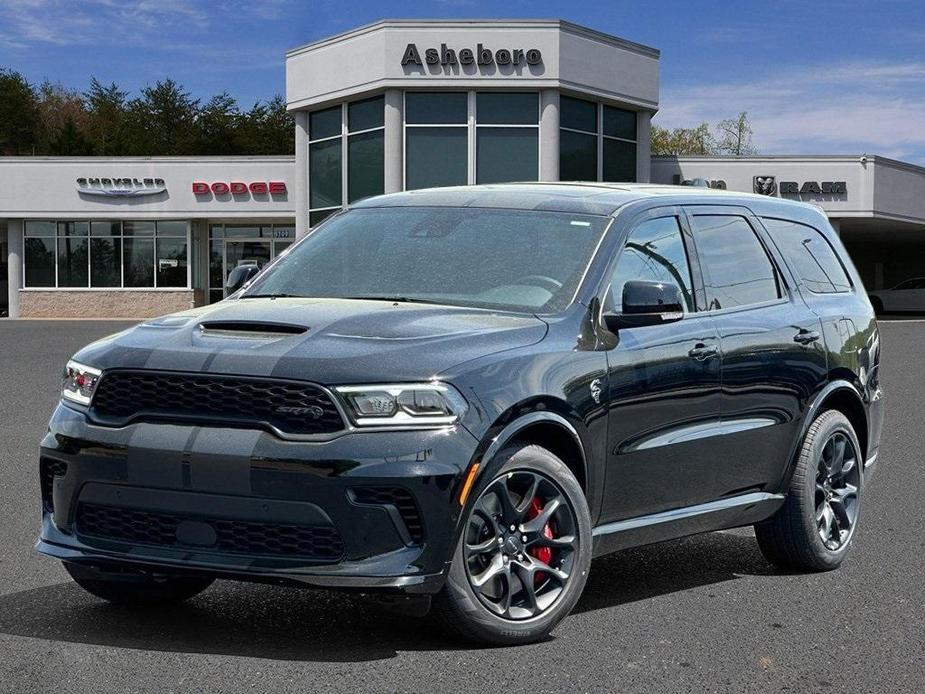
<point>544,554</point>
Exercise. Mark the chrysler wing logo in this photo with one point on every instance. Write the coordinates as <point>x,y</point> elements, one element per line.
<point>121,187</point>
<point>764,185</point>
<point>312,411</point>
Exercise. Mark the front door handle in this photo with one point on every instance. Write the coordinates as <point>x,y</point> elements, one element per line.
<point>701,351</point>
<point>804,337</point>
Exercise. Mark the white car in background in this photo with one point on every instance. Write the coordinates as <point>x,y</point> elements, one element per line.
<point>908,295</point>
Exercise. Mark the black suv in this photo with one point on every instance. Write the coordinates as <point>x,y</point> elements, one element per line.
<point>468,393</point>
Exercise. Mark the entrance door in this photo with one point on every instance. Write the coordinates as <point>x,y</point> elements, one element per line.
<point>234,245</point>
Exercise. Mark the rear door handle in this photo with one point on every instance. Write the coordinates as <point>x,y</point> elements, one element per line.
<point>804,337</point>
<point>701,351</point>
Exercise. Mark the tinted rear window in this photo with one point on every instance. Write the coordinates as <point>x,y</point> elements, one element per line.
<point>809,255</point>
<point>736,269</point>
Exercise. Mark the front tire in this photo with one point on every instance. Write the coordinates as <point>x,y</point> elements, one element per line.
<point>524,553</point>
<point>814,528</point>
<point>129,587</point>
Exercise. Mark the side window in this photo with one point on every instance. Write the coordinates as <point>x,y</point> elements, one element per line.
<point>654,251</point>
<point>810,256</point>
<point>736,269</point>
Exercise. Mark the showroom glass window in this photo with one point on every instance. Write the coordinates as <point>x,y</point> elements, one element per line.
<point>106,254</point>
<point>436,139</point>
<point>737,270</point>
<point>457,138</point>
<point>597,142</point>
<point>346,156</point>
<point>507,137</point>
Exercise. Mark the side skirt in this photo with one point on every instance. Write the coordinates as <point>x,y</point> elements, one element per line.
<point>733,512</point>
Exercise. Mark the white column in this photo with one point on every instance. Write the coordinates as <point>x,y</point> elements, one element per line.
<point>643,147</point>
<point>549,135</point>
<point>14,264</point>
<point>301,173</point>
<point>394,147</point>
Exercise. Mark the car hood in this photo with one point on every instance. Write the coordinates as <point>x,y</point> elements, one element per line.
<point>328,341</point>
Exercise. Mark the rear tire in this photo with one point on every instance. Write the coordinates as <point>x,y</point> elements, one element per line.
<point>130,587</point>
<point>815,527</point>
<point>877,303</point>
<point>533,584</point>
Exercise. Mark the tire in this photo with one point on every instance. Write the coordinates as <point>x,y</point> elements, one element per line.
<point>129,587</point>
<point>877,303</point>
<point>793,537</point>
<point>558,527</point>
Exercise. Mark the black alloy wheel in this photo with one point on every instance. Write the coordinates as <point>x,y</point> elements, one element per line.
<point>815,527</point>
<point>520,544</point>
<point>837,483</point>
<point>524,550</point>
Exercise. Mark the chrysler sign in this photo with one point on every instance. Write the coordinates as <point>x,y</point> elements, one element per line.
<point>118,187</point>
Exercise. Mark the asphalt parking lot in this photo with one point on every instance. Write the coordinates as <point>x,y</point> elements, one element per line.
<point>700,614</point>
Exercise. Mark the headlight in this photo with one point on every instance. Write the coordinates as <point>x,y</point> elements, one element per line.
<point>429,404</point>
<point>79,382</point>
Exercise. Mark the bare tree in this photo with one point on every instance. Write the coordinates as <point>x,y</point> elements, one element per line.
<point>735,136</point>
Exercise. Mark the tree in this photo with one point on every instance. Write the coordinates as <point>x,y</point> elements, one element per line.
<point>682,141</point>
<point>19,116</point>
<point>163,120</point>
<point>60,108</point>
<point>218,126</point>
<point>735,136</point>
<point>269,128</point>
<point>106,119</point>
<point>70,141</point>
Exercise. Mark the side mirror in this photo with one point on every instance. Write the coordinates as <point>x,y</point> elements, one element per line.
<point>240,276</point>
<point>647,303</point>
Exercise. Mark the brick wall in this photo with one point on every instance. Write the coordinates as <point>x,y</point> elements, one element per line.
<point>63,303</point>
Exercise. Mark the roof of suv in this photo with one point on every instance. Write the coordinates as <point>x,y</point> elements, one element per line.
<point>584,198</point>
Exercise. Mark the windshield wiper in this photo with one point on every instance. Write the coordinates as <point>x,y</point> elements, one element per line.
<point>272,296</point>
<point>396,299</point>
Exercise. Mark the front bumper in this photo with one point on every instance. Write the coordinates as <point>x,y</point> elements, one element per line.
<point>367,510</point>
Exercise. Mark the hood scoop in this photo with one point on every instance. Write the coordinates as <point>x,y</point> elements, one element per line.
<point>250,330</point>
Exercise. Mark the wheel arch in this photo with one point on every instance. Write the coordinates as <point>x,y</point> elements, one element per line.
<point>548,429</point>
<point>840,395</point>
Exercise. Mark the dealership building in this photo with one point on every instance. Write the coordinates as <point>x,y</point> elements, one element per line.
<point>398,105</point>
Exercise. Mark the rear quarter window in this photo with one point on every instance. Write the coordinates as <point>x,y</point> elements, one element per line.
<point>810,256</point>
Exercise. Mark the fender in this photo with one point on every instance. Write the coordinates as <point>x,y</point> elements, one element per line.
<point>486,455</point>
<point>509,432</point>
<point>810,415</point>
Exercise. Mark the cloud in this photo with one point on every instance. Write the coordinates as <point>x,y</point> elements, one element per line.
<point>873,107</point>
<point>69,22</point>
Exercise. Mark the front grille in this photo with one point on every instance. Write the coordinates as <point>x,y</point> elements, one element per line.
<point>322,543</point>
<point>290,407</point>
<point>48,470</point>
<point>401,499</point>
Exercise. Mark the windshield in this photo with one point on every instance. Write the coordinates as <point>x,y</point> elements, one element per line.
<point>515,260</point>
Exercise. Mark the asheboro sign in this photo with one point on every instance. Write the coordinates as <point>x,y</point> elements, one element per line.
<point>480,55</point>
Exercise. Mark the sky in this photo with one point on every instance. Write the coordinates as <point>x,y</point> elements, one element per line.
<point>816,77</point>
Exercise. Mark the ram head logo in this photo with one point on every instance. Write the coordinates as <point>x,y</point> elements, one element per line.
<point>764,185</point>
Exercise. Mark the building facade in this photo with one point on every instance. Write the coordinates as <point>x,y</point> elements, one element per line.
<point>399,105</point>
<point>395,105</point>
<point>126,237</point>
<point>876,204</point>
